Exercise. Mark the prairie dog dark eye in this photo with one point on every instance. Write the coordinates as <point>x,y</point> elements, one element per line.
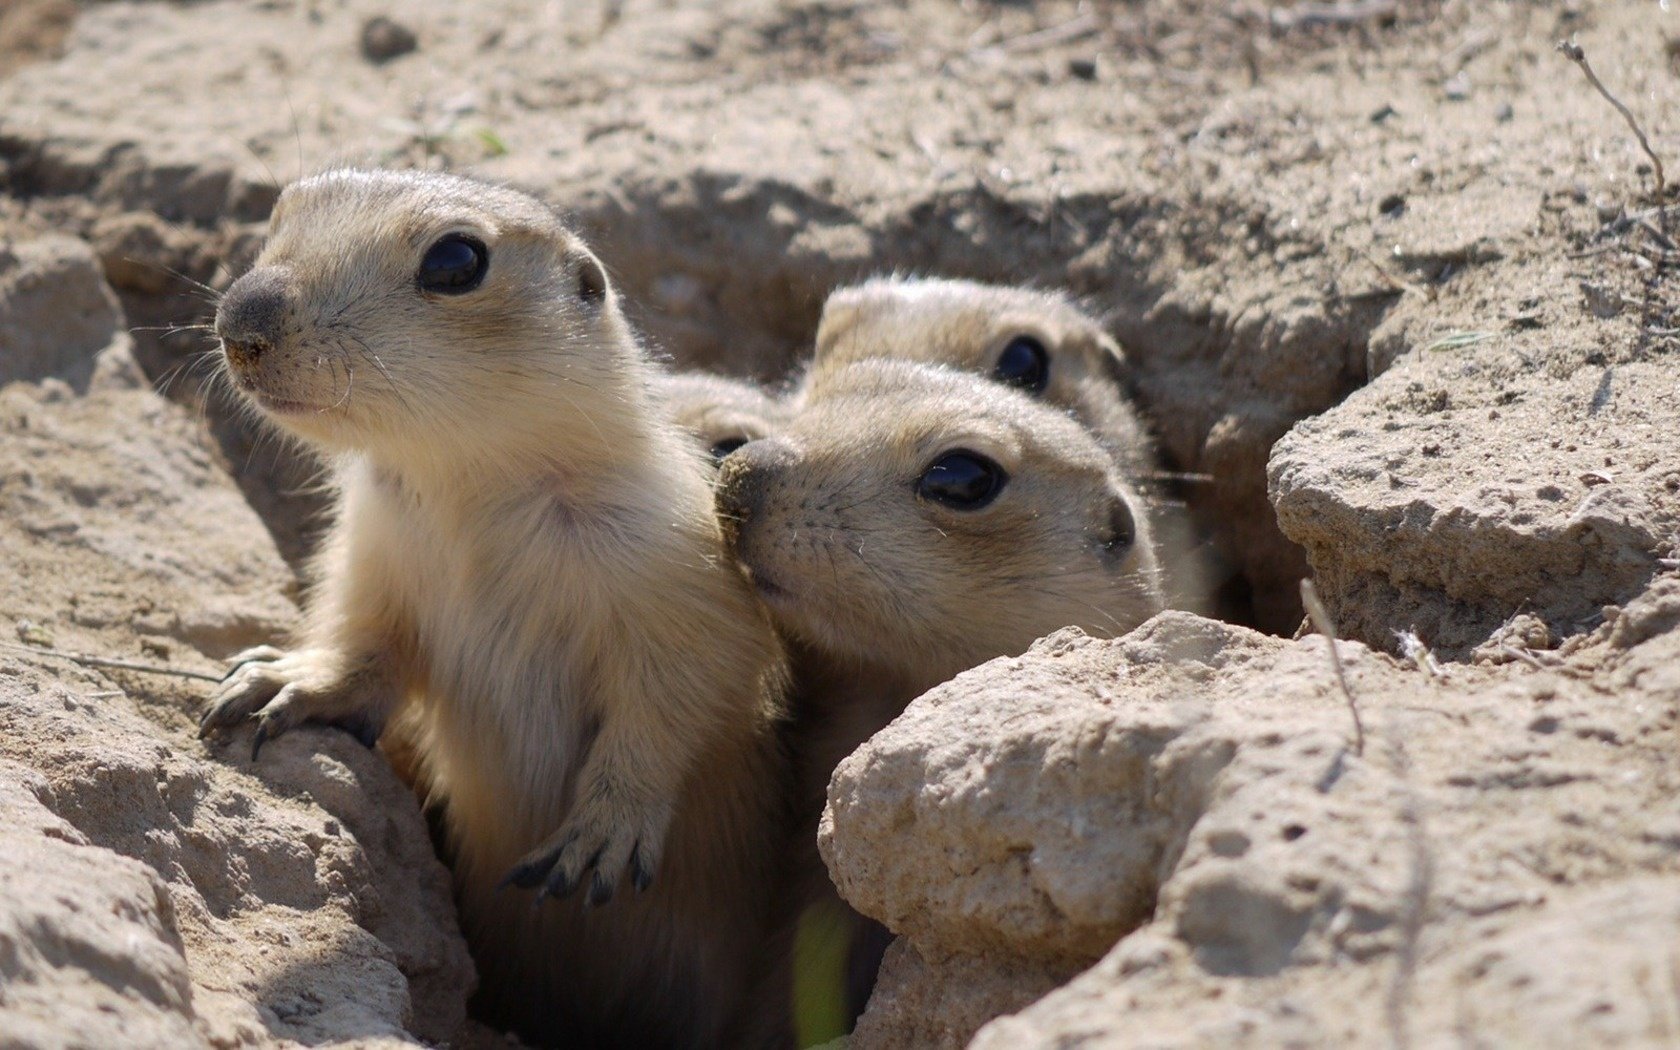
<point>726,446</point>
<point>961,480</point>
<point>1024,363</point>
<point>453,265</point>
<point>1122,529</point>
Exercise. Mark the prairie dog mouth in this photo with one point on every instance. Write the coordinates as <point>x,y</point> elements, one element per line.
<point>772,592</point>
<point>286,408</point>
<point>278,406</point>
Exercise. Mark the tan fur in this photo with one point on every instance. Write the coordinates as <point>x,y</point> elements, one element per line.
<point>967,325</point>
<point>524,552</point>
<point>852,562</point>
<point>886,594</point>
<point>719,411</point>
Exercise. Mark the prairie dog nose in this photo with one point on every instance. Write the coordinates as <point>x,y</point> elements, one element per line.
<point>252,315</point>
<point>743,480</point>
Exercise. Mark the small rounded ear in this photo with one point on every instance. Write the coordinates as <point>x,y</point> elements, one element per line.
<point>1110,360</point>
<point>592,280</point>
<point>840,314</point>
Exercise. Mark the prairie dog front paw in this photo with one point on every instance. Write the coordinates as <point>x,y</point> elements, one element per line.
<point>284,689</point>
<point>605,832</point>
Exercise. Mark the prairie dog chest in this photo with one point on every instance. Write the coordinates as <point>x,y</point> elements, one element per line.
<point>501,668</point>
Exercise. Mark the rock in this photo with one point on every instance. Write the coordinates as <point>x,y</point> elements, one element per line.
<point>383,39</point>
<point>1264,879</point>
<point>136,250</point>
<point>1581,965</point>
<point>1043,833</point>
<point>33,30</point>
<point>922,1006</point>
<point>58,317</point>
<point>213,901</point>
<point>88,935</point>
<point>1435,520</point>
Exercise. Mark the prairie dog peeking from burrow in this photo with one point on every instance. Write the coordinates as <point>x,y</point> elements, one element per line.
<point>921,520</point>
<point>912,521</point>
<point>526,568</point>
<point>1038,342</point>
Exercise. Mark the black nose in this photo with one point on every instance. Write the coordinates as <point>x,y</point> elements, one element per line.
<point>744,479</point>
<point>252,315</point>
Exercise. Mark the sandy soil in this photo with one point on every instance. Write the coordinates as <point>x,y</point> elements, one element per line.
<point>1395,280</point>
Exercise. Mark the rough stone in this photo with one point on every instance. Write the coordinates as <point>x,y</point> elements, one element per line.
<point>1507,494</point>
<point>156,893</point>
<point>58,317</point>
<point>1387,298</point>
<point>1286,877</point>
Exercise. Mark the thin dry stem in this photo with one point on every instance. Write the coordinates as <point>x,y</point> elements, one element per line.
<point>1323,625</point>
<point>1574,53</point>
<point>1414,906</point>
<point>88,660</point>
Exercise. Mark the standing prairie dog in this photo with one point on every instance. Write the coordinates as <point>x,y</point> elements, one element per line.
<point>721,412</point>
<point>1037,342</point>
<point>526,562</point>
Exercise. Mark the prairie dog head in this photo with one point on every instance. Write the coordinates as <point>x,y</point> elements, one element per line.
<point>1036,341</point>
<point>420,315</point>
<point>721,413</point>
<point>927,519</point>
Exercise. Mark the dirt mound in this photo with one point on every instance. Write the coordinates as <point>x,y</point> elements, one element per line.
<point>158,894</point>
<point>1398,304</point>
<point>1195,792</point>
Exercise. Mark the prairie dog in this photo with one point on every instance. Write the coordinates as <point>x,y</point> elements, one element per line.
<point>525,561</point>
<point>910,522</point>
<point>1038,342</point>
<point>913,521</point>
<point>722,413</point>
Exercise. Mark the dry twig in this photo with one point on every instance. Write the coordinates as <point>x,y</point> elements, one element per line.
<point>87,660</point>
<point>1076,28</point>
<point>1574,53</point>
<point>1351,12</point>
<point>1414,906</point>
<point>1322,623</point>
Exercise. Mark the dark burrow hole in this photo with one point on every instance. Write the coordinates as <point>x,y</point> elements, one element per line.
<point>753,312</point>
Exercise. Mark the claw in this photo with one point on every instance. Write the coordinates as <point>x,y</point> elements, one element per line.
<point>259,739</point>
<point>641,874</point>
<point>530,871</point>
<point>600,891</point>
<point>560,885</point>
<point>525,875</point>
<point>210,722</point>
